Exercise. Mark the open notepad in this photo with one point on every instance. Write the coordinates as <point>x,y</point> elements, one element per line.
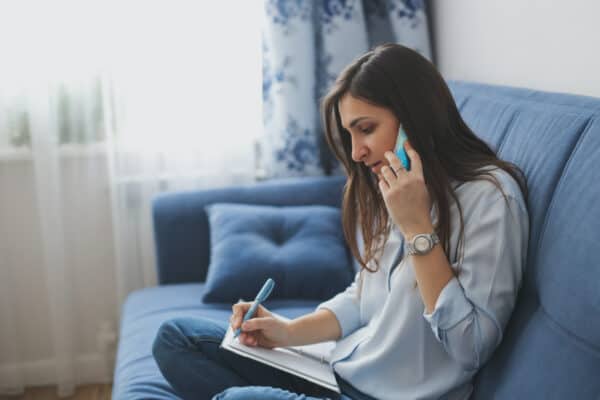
<point>310,362</point>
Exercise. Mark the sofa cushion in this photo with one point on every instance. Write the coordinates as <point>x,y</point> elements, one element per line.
<point>569,282</point>
<point>181,224</point>
<point>301,247</point>
<point>551,347</point>
<point>538,136</point>
<point>136,373</point>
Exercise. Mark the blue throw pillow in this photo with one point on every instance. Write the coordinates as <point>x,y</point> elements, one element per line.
<point>301,247</point>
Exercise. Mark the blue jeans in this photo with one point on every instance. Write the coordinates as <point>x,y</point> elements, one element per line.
<point>188,355</point>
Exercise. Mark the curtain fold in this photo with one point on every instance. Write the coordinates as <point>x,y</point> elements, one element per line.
<point>305,46</point>
<point>50,209</point>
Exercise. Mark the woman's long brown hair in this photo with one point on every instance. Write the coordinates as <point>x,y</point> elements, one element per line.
<point>401,80</point>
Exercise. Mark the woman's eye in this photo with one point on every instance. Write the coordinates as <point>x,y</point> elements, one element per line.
<point>367,130</point>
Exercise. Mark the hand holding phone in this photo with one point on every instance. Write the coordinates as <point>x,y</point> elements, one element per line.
<point>399,150</point>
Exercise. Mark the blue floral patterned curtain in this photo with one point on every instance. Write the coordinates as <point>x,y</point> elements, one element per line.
<point>306,43</point>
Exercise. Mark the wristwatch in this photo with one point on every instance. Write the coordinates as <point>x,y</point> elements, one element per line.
<point>421,244</point>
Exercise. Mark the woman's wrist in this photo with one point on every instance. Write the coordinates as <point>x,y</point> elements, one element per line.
<point>425,227</point>
<point>292,333</point>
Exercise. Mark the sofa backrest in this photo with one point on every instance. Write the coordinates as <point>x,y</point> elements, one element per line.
<point>181,227</point>
<point>551,346</point>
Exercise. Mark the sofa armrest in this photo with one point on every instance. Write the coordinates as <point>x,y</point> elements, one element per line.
<point>181,225</point>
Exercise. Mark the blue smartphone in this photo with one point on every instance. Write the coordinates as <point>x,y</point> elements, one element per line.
<point>399,150</point>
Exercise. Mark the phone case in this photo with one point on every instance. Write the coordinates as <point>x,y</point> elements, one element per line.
<point>399,150</point>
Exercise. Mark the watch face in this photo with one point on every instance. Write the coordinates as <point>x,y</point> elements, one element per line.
<point>421,243</point>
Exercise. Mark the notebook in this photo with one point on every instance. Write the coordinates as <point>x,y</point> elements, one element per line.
<point>310,362</point>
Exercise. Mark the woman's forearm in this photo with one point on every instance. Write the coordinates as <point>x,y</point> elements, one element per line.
<point>432,271</point>
<point>319,326</point>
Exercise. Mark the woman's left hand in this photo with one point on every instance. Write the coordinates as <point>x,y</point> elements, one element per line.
<point>405,193</point>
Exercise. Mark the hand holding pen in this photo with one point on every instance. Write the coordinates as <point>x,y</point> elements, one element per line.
<point>260,297</point>
<point>255,325</point>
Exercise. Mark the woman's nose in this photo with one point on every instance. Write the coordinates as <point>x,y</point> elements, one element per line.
<point>359,151</point>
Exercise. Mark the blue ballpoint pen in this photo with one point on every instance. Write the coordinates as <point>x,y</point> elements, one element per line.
<point>260,297</point>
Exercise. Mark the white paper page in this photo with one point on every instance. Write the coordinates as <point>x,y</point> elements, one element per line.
<point>318,351</point>
<point>282,358</point>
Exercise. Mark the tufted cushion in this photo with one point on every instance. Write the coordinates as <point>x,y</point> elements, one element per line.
<point>301,247</point>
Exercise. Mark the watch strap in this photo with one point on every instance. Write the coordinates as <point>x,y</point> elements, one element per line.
<point>433,240</point>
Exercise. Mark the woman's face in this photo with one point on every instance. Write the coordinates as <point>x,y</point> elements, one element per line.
<point>373,131</point>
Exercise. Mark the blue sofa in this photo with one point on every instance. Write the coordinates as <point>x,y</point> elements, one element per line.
<point>551,347</point>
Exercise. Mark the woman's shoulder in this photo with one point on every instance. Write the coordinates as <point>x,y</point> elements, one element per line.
<point>483,189</point>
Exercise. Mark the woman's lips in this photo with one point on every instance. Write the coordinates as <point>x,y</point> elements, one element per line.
<point>375,166</point>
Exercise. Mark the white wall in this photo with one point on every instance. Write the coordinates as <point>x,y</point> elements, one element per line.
<point>541,44</point>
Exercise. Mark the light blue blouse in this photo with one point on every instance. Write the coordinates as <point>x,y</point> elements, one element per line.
<point>391,349</point>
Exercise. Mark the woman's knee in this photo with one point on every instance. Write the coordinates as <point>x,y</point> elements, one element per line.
<point>180,334</point>
<point>167,339</point>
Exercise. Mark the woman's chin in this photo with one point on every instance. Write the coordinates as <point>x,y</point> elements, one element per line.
<point>376,175</point>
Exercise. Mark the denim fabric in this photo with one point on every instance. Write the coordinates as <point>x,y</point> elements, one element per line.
<point>188,354</point>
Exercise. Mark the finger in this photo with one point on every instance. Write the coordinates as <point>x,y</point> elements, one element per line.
<point>239,310</point>
<point>388,175</point>
<point>245,339</point>
<point>394,161</point>
<point>415,162</point>
<point>235,321</point>
<point>255,324</point>
<point>262,341</point>
<point>251,339</point>
<point>383,186</point>
<point>241,307</point>
<point>262,311</point>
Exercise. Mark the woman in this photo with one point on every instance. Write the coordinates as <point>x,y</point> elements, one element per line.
<point>421,317</point>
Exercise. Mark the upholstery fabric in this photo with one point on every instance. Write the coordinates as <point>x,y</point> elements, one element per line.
<point>181,223</point>
<point>136,373</point>
<point>301,247</point>
<point>551,347</point>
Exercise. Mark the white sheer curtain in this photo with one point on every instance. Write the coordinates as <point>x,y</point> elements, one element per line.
<point>187,111</point>
<point>102,106</point>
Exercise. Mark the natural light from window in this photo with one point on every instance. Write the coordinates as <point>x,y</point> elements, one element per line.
<point>186,74</point>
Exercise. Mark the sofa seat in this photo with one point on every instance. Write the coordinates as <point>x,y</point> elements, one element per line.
<point>136,374</point>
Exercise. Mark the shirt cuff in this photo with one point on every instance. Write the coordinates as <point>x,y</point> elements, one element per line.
<point>451,307</point>
<point>346,311</point>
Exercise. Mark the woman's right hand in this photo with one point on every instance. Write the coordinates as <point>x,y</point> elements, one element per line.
<point>263,329</point>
